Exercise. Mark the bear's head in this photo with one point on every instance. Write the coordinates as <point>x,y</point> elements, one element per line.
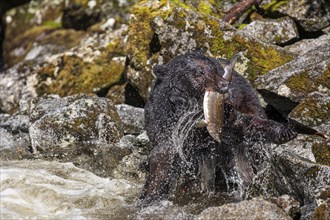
<point>193,73</point>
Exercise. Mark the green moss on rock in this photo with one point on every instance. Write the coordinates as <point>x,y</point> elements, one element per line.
<point>272,6</point>
<point>76,76</point>
<point>312,112</point>
<point>181,27</point>
<point>321,153</point>
<point>304,83</point>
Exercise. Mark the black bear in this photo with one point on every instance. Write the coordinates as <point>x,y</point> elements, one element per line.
<point>183,153</point>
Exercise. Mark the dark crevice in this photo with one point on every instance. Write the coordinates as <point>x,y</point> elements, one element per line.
<point>308,34</point>
<point>279,103</point>
<point>132,97</point>
<point>154,46</point>
<point>290,42</point>
<point>102,92</point>
<point>273,114</point>
<point>279,108</point>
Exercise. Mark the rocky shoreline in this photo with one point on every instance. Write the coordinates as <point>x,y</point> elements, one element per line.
<point>72,97</point>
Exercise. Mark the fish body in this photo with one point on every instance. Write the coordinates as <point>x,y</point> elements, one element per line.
<point>213,106</point>
<point>213,103</point>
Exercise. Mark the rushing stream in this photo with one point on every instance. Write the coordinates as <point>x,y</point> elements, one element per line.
<point>53,190</point>
<point>36,189</point>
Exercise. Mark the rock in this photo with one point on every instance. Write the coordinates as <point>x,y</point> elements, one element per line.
<point>80,70</point>
<point>14,135</point>
<point>6,139</point>
<point>15,123</point>
<point>80,129</point>
<point>322,211</point>
<point>132,118</point>
<point>279,31</point>
<point>289,205</point>
<point>172,29</point>
<point>249,209</point>
<point>16,85</point>
<point>302,76</point>
<point>298,90</point>
<point>313,112</point>
<point>27,23</point>
<point>57,122</point>
<point>164,210</point>
<point>36,27</point>
<point>311,15</point>
<point>134,166</point>
<point>53,190</point>
<point>285,172</point>
<point>303,46</point>
<point>93,67</point>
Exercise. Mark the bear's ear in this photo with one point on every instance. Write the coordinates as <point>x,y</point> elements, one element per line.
<point>159,71</point>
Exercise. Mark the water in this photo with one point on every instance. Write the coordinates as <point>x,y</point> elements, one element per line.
<point>52,190</point>
<point>36,189</point>
<point>183,128</point>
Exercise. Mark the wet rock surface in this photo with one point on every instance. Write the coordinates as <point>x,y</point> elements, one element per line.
<point>88,156</point>
<point>250,209</point>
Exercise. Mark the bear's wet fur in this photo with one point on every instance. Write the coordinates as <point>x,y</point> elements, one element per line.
<point>184,155</point>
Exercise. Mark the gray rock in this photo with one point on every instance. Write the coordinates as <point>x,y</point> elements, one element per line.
<point>300,91</point>
<point>277,31</point>
<point>57,122</point>
<point>249,209</point>
<point>15,122</point>
<point>16,84</point>
<point>7,139</point>
<point>133,166</point>
<point>14,135</point>
<point>132,118</point>
<point>297,79</point>
<point>303,46</point>
<point>288,204</point>
<point>284,172</point>
<point>312,15</point>
<point>84,130</point>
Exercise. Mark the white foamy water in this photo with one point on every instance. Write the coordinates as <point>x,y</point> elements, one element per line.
<point>52,190</point>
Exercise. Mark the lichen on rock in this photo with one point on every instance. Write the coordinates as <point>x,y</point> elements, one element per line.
<point>170,28</point>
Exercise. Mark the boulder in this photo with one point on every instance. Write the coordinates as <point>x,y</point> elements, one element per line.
<point>80,129</point>
<point>274,31</point>
<point>311,15</point>
<point>248,209</point>
<point>305,45</point>
<point>132,118</point>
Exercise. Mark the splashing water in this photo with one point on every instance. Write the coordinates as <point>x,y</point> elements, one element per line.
<point>183,128</point>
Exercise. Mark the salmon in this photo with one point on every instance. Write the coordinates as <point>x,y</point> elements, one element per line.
<point>213,103</point>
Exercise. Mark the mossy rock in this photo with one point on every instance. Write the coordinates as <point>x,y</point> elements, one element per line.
<point>304,83</point>
<point>312,111</point>
<point>25,27</point>
<point>72,75</point>
<point>321,153</point>
<point>310,15</point>
<point>171,28</point>
<point>80,129</point>
<point>308,75</point>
